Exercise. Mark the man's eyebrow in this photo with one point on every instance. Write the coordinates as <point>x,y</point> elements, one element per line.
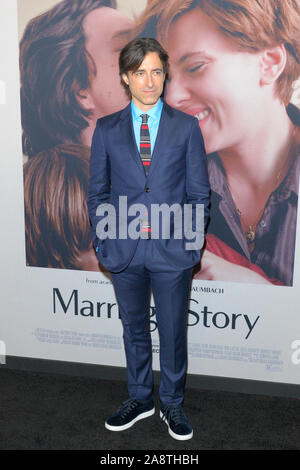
<point>140,69</point>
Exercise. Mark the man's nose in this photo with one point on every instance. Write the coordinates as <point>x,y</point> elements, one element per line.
<point>149,80</point>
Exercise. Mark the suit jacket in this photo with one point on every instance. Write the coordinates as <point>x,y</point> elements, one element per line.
<point>177,174</point>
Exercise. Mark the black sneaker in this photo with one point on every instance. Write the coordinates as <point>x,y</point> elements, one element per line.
<point>178,424</point>
<point>129,413</point>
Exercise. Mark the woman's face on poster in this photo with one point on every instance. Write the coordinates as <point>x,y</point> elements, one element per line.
<point>212,80</point>
<point>106,32</point>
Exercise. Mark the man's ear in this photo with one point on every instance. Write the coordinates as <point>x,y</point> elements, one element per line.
<point>125,78</point>
<point>85,99</point>
<point>272,64</point>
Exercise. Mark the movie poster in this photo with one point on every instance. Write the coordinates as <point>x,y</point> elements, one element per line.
<point>238,72</point>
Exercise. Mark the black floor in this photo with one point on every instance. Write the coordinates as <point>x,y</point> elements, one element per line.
<point>47,411</point>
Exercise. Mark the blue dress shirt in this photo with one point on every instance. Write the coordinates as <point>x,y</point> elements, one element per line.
<point>153,122</point>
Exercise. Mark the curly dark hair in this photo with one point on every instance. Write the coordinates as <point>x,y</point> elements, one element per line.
<point>57,224</point>
<point>54,66</point>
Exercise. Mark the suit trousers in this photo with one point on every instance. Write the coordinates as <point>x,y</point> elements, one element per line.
<point>170,290</point>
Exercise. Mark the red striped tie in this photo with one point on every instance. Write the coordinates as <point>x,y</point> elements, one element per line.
<point>145,152</point>
<point>145,144</point>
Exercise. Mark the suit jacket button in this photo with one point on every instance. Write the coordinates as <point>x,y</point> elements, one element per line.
<point>147,190</point>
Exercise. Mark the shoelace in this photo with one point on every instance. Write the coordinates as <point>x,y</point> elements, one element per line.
<point>127,406</point>
<point>176,414</point>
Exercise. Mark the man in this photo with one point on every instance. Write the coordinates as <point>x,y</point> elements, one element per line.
<point>69,78</point>
<point>65,54</point>
<point>152,154</point>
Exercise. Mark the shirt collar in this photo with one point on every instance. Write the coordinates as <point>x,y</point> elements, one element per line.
<point>218,181</point>
<point>154,113</point>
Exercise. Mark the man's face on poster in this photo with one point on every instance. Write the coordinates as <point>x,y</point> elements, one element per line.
<point>106,31</point>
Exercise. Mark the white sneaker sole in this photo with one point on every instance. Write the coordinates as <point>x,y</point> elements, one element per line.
<point>179,437</point>
<point>146,414</point>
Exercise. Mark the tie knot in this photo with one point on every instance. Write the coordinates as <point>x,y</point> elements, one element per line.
<point>144,118</point>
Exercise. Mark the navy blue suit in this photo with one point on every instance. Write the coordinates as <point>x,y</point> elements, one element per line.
<point>178,174</point>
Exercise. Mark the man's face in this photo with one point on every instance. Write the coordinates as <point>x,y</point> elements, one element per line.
<point>147,82</point>
<point>106,31</point>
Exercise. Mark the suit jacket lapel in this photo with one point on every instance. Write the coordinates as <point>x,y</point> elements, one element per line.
<point>162,137</point>
<point>128,137</point>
